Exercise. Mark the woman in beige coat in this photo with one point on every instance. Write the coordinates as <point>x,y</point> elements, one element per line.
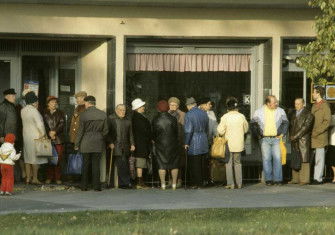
<point>233,126</point>
<point>33,128</point>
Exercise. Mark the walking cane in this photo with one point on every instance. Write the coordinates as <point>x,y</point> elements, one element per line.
<point>110,169</point>
<point>186,157</point>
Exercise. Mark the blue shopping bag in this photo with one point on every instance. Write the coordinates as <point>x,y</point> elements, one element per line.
<point>75,164</point>
<point>53,160</point>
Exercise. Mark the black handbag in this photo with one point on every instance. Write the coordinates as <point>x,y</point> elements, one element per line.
<point>295,160</point>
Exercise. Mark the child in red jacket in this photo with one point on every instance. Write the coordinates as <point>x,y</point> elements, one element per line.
<point>7,157</point>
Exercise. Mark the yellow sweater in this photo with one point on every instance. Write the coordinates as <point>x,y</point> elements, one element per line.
<point>270,128</point>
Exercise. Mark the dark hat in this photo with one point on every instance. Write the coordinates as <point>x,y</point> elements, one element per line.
<point>231,103</point>
<point>30,97</point>
<point>10,91</point>
<point>190,101</point>
<point>163,106</point>
<point>89,98</point>
<point>204,100</point>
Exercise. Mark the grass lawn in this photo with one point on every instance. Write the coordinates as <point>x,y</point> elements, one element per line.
<point>318,220</point>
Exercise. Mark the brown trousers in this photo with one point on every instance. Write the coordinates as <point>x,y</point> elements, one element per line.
<point>302,176</point>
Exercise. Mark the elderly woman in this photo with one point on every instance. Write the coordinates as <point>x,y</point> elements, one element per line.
<point>165,135</point>
<point>174,110</point>
<point>54,120</point>
<point>33,128</point>
<point>233,126</point>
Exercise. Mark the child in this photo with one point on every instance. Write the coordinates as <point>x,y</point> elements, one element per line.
<point>7,157</point>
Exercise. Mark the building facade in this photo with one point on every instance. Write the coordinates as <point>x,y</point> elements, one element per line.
<point>119,50</point>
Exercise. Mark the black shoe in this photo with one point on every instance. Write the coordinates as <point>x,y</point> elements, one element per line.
<point>278,183</point>
<point>268,183</point>
<point>98,189</point>
<point>84,189</point>
<point>315,182</point>
<point>126,186</point>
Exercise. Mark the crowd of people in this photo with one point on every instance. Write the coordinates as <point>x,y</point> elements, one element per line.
<point>178,142</point>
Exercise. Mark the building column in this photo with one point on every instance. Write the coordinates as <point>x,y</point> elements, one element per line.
<point>276,66</point>
<point>120,74</point>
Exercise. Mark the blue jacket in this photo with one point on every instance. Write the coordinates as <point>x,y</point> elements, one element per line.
<point>196,129</point>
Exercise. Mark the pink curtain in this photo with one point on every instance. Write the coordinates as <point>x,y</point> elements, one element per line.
<point>188,63</point>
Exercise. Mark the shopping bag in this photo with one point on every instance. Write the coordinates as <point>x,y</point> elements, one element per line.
<point>132,168</point>
<point>283,151</point>
<point>218,147</point>
<point>43,147</point>
<point>75,164</point>
<point>53,160</point>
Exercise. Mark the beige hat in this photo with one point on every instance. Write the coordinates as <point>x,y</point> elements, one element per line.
<point>80,94</point>
<point>174,100</point>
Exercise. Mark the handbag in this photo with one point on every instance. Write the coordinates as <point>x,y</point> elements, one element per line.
<point>132,161</point>
<point>53,160</point>
<point>75,164</point>
<point>283,151</point>
<point>43,147</point>
<point>218,147</point>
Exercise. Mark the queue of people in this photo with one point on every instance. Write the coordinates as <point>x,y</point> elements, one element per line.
<point>180,142</point>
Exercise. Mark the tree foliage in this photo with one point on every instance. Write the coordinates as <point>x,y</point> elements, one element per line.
<point>319,58</point>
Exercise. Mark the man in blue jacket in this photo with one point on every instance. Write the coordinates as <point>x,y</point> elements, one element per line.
<point>196,141</point>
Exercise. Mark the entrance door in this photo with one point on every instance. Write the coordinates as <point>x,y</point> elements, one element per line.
<point>4,76</point>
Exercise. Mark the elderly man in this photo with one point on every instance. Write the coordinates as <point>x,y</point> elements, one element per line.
<point>80,96</point>
<point>322,115</point>
<point>270,124</point>
<point>196,141</point>
<point>91,139</point>
<point>8,114</point>
<point>121,140</point>
<point>301,125</point>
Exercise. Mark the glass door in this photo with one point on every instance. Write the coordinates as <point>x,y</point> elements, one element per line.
<point>4,76</point>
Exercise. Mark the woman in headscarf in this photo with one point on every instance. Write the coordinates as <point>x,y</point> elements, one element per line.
<point>165,135</point>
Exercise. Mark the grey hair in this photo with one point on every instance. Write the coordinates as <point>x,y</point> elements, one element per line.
<point>119,106</point>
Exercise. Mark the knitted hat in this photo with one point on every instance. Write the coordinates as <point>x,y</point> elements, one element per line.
<point>31,97</point>
<point>10,138</point>
<point>162,106</point>
<point>174,100</point>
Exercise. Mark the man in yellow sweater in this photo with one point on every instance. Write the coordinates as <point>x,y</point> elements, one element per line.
<point>269,124</point>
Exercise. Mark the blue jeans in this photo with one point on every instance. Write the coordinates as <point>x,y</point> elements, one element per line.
<point>272,166</point>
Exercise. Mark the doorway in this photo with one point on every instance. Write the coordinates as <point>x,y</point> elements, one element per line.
<point>4,77</point>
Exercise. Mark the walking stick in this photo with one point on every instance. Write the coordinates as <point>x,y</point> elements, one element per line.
<point>110,169</point>
<point>186,157</point>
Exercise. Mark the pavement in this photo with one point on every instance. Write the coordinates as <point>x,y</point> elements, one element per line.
<point>64,199</point>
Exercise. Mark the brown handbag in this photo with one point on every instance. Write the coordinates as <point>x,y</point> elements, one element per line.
<point>218,147</point>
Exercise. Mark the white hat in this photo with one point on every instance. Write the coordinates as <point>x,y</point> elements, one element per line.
<point>137,103</point>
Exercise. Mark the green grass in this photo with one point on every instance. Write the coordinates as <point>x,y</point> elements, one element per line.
<point>207,221</point>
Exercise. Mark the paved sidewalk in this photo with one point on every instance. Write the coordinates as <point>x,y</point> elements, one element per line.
<point>251,196</point>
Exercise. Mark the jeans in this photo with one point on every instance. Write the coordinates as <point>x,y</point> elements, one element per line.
<point>272,166</point>
<point>319,164</point>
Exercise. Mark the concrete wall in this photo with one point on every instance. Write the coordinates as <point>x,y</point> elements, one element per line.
<point>149,21</point>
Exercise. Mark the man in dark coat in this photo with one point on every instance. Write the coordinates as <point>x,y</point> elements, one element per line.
<point>196,141</point>
<point>142,137</point>
<point>121,140</point>
<point>8,114</point>
<point>91,141</point>
<point>301,125</point>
